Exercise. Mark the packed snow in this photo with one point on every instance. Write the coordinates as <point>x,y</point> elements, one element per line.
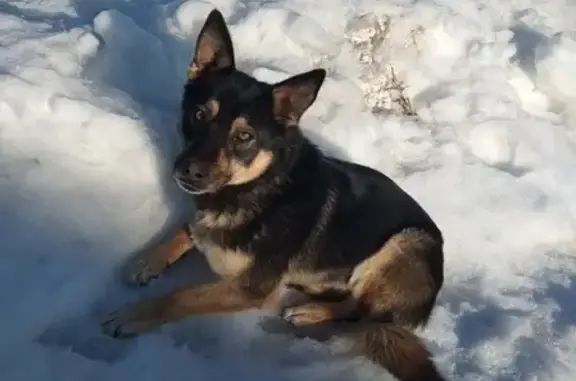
<point>89,93</point>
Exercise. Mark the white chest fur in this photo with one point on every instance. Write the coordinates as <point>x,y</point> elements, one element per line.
<point>225,262</point>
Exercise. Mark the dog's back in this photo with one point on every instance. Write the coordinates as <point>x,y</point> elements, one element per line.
<point>371,208</point>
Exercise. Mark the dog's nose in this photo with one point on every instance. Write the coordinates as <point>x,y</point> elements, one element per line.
<point>196,171</point>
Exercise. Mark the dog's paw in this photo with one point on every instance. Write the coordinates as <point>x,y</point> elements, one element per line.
<point>126,322</point>
<point>308,314</point>
<point>284,297</point>
<point>145,268</point>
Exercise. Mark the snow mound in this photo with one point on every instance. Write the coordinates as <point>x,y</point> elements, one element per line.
<point>455,100</point>
<point>555,62</point>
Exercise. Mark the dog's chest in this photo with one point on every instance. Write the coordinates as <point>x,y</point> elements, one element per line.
<point>225,261</point>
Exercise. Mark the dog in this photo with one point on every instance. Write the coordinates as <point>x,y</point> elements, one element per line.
<point>314,239</point>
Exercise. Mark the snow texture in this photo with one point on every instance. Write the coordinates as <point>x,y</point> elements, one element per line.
<point>89,93</point>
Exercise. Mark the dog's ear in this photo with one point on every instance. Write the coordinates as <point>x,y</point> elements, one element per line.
<point>293,96</point>
<point>214,48</point>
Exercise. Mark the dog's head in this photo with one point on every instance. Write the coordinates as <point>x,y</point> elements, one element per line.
<point>236,129</point>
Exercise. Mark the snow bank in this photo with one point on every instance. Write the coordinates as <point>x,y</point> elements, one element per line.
<point>89,96</point>
<point>555,62</point>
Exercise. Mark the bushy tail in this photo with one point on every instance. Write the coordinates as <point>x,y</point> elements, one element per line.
<point>396,349</point>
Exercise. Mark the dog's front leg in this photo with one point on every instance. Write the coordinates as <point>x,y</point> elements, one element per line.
<point>226,296</point>
<point>150,263</point>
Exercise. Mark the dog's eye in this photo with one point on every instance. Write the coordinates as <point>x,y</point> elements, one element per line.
<point>244,136</point>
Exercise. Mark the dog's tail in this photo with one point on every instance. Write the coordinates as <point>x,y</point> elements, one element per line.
<point>396,349</point>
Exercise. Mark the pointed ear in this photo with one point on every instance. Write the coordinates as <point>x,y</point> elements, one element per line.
<point>214,48</point>
<point>293,96</point>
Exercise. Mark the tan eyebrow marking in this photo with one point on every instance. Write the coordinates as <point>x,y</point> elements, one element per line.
<point>214,107</point>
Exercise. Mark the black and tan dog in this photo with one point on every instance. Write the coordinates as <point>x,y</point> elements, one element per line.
<point>316,239</point>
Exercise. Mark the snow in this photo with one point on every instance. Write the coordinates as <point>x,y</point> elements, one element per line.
<point>554,60</point>
<point>89,93</point>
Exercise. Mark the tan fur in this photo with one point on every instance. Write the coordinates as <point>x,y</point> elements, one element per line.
<point>224,220</point>
<point>397,278</point>
<point>316,312</point>
<point>193,71</point>
<point>208,47</point>
<point>290,102</point>
<point>241,174</point>
<point>314,282</point>
<point>225,262</point>
<point>225,296</point>
<point>214,107</point>
<point>396,349</point>
<point>235,171</point>
<point>209,44</point>
<point>239,123</point>
<point>151,262</point>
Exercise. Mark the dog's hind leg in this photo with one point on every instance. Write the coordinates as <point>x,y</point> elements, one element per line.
<point>402,279</point>
<point>387,296</point>
<point>150,263</point>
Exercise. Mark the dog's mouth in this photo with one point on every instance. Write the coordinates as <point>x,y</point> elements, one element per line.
<point>187,187</point>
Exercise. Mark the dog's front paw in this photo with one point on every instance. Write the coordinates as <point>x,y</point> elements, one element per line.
<point>308,314</point>
<point>145,268</point>
<point>127,322</point>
